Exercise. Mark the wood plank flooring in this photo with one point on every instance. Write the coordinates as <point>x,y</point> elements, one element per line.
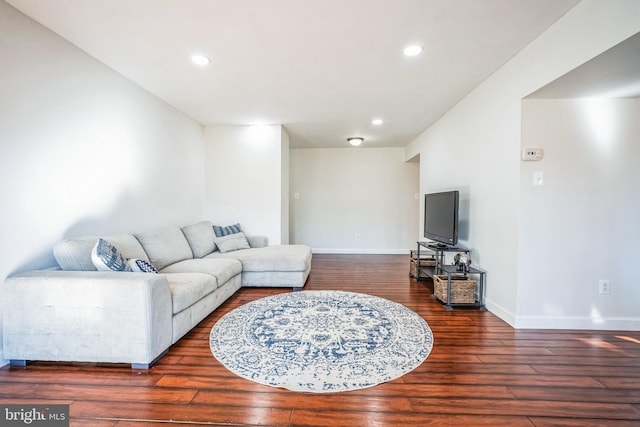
<point>481,372</point>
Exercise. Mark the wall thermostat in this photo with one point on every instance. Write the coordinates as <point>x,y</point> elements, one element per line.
<point>529,154</point>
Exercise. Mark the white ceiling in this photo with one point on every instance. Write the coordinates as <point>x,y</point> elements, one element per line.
<point>322,68</point>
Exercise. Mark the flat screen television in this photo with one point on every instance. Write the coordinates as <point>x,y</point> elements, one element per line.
<point>441,217</point>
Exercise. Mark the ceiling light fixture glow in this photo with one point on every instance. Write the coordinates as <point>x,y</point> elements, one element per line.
<point>355,141</point>
<point>376,122</point>
<point>200,60</point>
<point>413,50</point>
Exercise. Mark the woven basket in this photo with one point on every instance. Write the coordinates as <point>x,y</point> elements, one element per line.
<point>428,262</point>
<point>463,289</point>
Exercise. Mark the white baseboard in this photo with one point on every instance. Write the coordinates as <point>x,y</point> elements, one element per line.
<point>501,312</point>
<point>587,323</point>
<point>360,251</point>
<point>564,322</point>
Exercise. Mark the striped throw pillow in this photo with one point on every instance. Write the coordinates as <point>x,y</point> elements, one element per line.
<point>225,231</point>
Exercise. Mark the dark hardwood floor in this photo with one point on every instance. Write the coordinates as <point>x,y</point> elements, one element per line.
<point>480,372</point>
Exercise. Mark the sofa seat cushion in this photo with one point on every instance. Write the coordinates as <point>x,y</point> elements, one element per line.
<point>189,288</point>
<point>271,258</point>
<point>165,246</point>
<point>222,269</point>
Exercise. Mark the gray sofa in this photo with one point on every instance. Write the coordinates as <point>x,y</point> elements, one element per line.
<point>76,313</point>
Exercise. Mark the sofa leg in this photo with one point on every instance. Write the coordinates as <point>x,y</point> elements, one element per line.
<point>17,362</point>
<point>144,366</point>
<point>147,366</point>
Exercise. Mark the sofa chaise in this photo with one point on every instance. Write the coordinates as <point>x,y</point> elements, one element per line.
<point>171,279</point>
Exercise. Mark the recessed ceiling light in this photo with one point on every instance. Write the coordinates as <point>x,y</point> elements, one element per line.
<point>355,141</point>
<point>200,59</point>
<point>376,122</point>
<point>413,50</point>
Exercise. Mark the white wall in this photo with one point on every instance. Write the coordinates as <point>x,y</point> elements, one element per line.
<point>349,192</point>
<point>582,224</point>
<point>83,149</point>
<point>245,177</point>
<point>476,145</point>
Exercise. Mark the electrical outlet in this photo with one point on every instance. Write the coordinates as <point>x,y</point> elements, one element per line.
<point>604,286</point>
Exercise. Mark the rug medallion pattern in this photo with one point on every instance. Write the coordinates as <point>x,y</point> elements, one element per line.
<point>321,341</point>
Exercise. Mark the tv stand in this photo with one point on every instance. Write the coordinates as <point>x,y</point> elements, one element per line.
<point>439,249</point>
<point>439,268</point>
<point>438,246</point>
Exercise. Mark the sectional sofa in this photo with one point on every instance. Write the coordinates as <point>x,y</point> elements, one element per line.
<point>126,298</point>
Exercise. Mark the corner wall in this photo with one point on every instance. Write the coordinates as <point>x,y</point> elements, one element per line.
<point>84,150</point>
<point>476,145</point>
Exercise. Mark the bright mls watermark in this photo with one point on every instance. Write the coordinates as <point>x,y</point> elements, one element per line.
<point>34,415</point>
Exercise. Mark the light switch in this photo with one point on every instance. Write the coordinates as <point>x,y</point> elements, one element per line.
<point>538,178</point>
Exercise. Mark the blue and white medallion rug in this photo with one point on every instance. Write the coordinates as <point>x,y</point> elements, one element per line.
<point>321,341</point>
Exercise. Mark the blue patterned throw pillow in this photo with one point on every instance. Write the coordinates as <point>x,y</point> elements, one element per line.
<point>141,266</point>
<point>106,257</point>
<point>225,231</point>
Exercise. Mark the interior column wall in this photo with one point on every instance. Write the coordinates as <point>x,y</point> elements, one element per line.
<point>245,176</point>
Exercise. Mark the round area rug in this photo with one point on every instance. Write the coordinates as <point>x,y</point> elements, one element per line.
<point>321,341</point>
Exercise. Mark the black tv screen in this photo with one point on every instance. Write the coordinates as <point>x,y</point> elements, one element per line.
<point>441,217</point>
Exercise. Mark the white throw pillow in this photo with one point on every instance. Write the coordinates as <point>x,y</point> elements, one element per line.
<point>232,242</point>
<point>106,257</point>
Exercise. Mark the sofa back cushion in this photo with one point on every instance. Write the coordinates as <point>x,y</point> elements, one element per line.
<point>165,246</point>
<point>75,253</point>
<point>128,245</point>
<point>200,237</point>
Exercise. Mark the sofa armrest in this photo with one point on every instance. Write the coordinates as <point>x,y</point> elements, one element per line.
<point>258,241</point>
<point>86,316</point>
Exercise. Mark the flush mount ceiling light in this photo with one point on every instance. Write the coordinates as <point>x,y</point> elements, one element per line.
<point>355,141</point>
<point>200,59</point>
<point>376,122</point>
<point>413,50</point>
